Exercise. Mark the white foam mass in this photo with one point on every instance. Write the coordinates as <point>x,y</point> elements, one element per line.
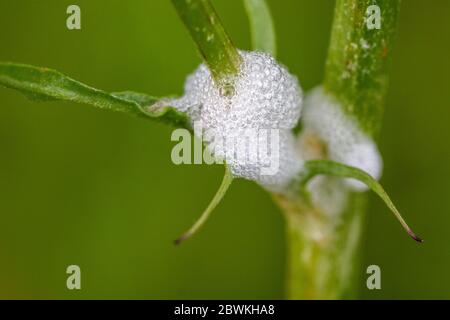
<point>264,96</point>
<point>344,140</point>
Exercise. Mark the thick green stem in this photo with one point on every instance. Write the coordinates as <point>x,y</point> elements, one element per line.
<point>358,58</point>
<point>323,248</point>
<point>214,44</point>
<point>322,253</point>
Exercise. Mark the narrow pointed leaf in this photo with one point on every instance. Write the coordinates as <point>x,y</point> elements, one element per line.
<point>226,182</point>
<point>156,108</point>
<point>331,168</point>
<point>43,84</point>
<point>261,26</point>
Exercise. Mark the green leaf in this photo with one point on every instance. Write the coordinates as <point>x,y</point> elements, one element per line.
<point>156,108</point>
<point>226,182</point>
<point>331,168</point>
<point>261,26</point>
<point>43,84</point>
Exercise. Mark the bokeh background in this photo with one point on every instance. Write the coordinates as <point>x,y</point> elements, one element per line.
<point>98,189</point>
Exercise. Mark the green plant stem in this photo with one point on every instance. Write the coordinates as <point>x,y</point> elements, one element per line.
<point>323,254</point>
<point>358,59</point>
<point>215,46</point>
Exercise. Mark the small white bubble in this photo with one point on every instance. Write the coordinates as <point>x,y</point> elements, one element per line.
<point>364,44</point>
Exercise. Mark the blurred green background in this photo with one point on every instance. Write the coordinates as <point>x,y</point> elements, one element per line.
<point>98,189</point>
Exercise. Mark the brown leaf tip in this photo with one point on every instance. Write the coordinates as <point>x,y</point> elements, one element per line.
<point>181,239</point>
<point>414,236</point>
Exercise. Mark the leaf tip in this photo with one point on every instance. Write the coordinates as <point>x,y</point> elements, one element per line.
<point>182,238</point>
<point>226,182</point>
<point>414,236</point>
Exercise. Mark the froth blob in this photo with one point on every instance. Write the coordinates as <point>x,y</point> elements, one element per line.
<point>264,98</point>
<point>345,142</point>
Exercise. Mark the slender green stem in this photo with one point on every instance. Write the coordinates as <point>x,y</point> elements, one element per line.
<point>213,42</point>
